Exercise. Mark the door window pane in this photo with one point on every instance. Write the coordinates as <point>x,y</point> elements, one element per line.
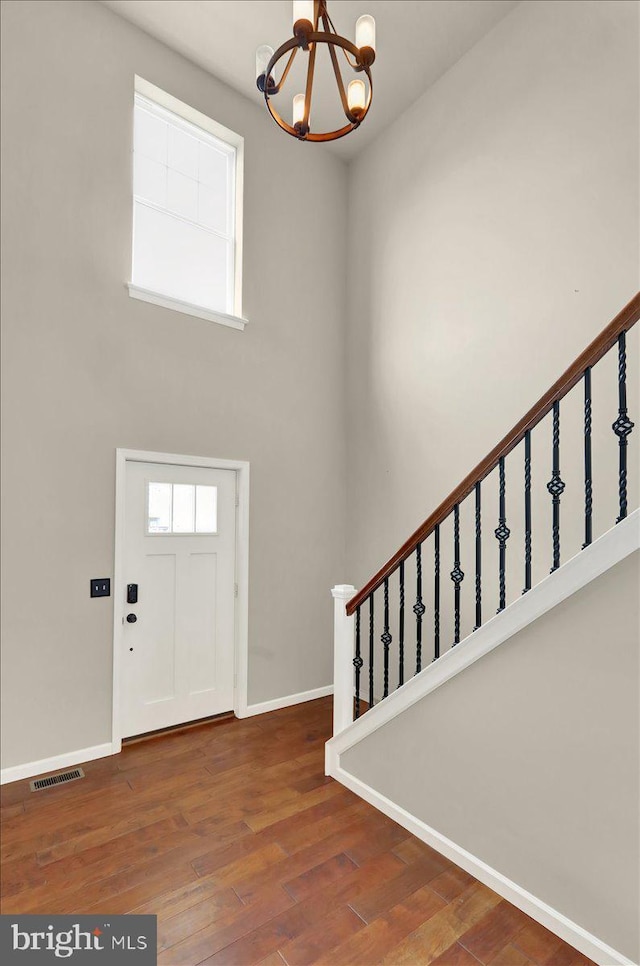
<point>206,509</point>
<point>183,508</point>
<point>159,508</point>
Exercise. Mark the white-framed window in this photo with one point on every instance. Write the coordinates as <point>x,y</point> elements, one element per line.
<point>187,209</point>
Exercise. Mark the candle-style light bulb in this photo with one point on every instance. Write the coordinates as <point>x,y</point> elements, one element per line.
<point>356,97</point>
<point>264,53</point>
<point>366,38</point>
<point>298,109</point>
<point>301,128</point>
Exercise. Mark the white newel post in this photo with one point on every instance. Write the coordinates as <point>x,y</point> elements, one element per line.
<point>343,654</point>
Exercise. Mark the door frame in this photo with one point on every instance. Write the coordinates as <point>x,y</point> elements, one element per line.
<point>241,610</point>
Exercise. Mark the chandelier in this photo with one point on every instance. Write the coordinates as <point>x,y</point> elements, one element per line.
<point>312,26</point>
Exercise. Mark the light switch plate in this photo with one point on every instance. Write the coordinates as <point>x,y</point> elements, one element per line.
<point>100,586</point>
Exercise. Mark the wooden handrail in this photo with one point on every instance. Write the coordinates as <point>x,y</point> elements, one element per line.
<point>592,354</point>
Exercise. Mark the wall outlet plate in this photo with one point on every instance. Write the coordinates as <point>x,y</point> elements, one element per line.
<point>100,586</point>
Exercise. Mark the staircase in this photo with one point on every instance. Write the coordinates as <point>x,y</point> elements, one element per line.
<point>487,564</point>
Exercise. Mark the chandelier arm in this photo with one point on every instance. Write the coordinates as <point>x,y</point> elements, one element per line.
<point>339,82</point>
<point>286,70</point>
<point>327,17</point>
<point>333,135</point>
<point>326,20</point>
<point>289,45</point>
<point>307,94</point>
<point>353,64</point>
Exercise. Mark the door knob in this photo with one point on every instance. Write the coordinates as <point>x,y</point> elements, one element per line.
<point>131,618</point>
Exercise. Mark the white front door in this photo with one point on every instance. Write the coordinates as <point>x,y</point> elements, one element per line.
<point>178,637</point>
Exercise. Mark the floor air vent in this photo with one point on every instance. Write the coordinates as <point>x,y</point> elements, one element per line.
<point>61,779</point>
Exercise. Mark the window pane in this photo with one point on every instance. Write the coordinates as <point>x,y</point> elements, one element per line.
<point>150,180</point>
<point>212,165</point>
<point>183,507</point>
<point>183,152</point>
<point>176,258</point>
<point>213,207</point>
<point>159,520</point>
<point>206,509</point>
<point>182,195</point>
<point>150,136</point>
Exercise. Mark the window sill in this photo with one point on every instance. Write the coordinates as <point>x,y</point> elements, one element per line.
<point>187,308</point>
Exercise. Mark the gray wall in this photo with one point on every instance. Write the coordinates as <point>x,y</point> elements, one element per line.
<point>494,231</point>
<point>88,369</point>
<point>529,758</point>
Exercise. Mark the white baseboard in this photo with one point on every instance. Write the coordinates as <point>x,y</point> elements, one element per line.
<point>604,553</point>
<point>30,769</point>
<point>550,918</point>
<point>284,702</point>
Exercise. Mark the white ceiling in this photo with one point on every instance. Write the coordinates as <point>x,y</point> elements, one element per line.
<point>417,41</point>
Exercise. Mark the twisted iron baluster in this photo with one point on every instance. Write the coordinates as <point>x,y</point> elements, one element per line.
<point>419,608</point>
<point>556,486</point>
<point>478,558</point>
<point>588,483</point>
<point>386,638</point>
<point>623,425</point>
<point>371,619</point>
<point>457,575</point>
<point>401,628</point>
<point>436,593</point>
<point>502,533</point>
<point>357,663</point>
<point>527,511</point>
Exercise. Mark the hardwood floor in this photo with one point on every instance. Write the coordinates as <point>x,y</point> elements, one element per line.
<point>233,836</point>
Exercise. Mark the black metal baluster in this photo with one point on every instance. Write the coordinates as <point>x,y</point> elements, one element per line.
<point>419,608</point>
<point>623,425</point>
<point>478,558</point>
<point>401,628</point>
<point>371,650</point>
<point>457,575</point>
<point>588,482</point>
<point>357,663</point>
<point>527,511</point>
<point>555,486</point>
<point>502,533</point>
<point>436,593</point>
<point>386,639</point>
